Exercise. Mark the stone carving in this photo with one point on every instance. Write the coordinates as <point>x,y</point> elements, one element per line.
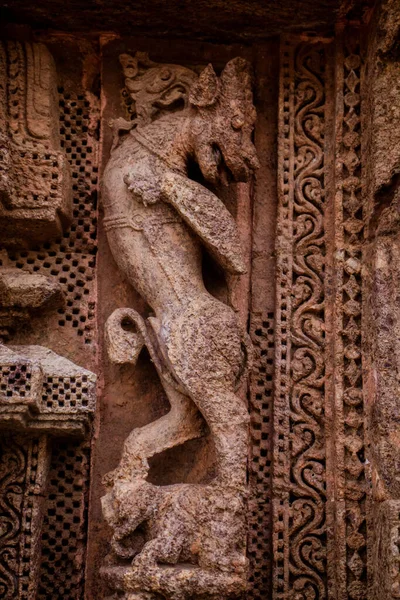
<point>185,541</point>
<point>64,530</point>
<point>41,393</point>
<point>260,459</point>
<point>23,478</point>
<point>35,186</point>
<point>22,295</point>
<point>350,512</point>
<point>71,260</point>
<point>299,450</point>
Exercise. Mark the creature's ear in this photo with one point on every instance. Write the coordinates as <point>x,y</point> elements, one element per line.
<point>236,76</point>
<point>205,90</point>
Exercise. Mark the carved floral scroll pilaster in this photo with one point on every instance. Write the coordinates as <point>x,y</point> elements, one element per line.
<point>299,453</point>
<point>23,477</point>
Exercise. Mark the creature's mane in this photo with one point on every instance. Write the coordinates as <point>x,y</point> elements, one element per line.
<point>152,89</point>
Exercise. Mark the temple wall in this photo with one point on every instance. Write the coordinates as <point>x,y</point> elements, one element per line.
<point>210,412</point>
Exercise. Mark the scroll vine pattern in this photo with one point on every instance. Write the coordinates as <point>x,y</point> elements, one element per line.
<point>353,409</point>
<point>300,535</point>
<point>13,462</point>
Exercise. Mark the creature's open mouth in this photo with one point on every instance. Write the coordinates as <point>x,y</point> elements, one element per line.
<point>225,175</point>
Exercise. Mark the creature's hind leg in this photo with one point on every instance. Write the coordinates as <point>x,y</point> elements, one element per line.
<point>182,423</point>
<point>228,419</point>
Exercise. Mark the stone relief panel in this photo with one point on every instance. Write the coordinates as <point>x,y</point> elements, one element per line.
<point>46,401</point>
<point>185,540</point>
<point>156,216</point>
<point>299,477</point>
<point>349,470</point>
<point>35,200</point>
<point>336,417</point>
<point>318,499</point>
<point>23,468</point>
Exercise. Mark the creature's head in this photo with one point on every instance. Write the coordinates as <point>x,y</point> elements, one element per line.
<point>126,508</point>
<point>153,89</point>
<point>223,122</point>
<point>220,109</point>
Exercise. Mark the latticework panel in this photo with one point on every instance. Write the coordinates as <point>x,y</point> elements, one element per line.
<point>72,259</point>
<point>259,541</point>
<point>65,522</point>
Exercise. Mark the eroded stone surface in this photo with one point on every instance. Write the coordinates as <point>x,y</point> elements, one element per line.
<point>155,218</point>
<point>35,185</point>
<point>41,391</point>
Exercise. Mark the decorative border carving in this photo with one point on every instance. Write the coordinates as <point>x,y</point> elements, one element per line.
<point>260,459</point>
<point>299,530</point>
<point>23,478</point>
<point>64,531</point>
<point>349,472</point>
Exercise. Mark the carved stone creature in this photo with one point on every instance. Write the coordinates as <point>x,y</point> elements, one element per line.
<point>187,541</point>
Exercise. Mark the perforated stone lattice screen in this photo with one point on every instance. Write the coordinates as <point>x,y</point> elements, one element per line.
<point>259,540</point>
<point>65,522</point>
<point>72,259</point>
<point>312,527</point>
<point>14,380</point>
<point>66,392</point>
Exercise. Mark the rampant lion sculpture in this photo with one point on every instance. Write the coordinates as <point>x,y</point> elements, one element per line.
<point>185,541</point>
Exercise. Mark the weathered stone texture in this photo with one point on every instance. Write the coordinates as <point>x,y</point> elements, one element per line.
<point>35,186</point>
<point>155,218</point>
<point>383,77</point>
<point>43,396</point>
<point>301,253</point>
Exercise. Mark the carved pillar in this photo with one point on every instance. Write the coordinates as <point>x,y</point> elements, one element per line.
<point>335,379</point>
<point>348,458</point>
<point>44,398</point>
<point>300,401</point>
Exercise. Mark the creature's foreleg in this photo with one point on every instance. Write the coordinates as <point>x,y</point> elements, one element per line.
<point>208,217</point>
